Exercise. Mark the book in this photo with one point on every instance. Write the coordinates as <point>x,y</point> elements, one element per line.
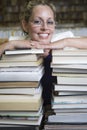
<point>76,52</point>
<point>69,60</point>
<point>75,118</point>
<point>20,121</point>
<point>63,126</point>
<point>24,51</point>
<point>69,71</point>
<point>20,102</point>
<point>70,99</point>
<point>72,80</point>
<point>69,93</point>
<point>20,57</point>
<point>21,63</point>
<point>79,75</point>
<point>69,105</point>
<point>18,127</point>
<point>70,66</point>
<point>21,91</point>
<point>21,68</point>
<point>21,113</point>
<point>22,76</point>
<point>66,87</point>
<point>19,84</point>
<point>59,111</point>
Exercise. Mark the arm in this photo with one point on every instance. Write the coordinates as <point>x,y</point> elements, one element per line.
<point>11,45</point>
<point>80,43</point>
<point>66,42</point>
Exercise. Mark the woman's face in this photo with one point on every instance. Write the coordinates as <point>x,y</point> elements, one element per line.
<point>41,25</point>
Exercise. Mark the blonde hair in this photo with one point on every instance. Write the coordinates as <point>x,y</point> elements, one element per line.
<point>28,7</point>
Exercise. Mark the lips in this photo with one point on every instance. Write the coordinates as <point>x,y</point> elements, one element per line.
<point>43,35</point>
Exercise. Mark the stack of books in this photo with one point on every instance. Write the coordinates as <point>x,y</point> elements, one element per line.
<point>69,101</point>
<point>21,101</point>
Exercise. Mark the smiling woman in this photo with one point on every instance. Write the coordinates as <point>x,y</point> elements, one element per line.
<point>38,23</point>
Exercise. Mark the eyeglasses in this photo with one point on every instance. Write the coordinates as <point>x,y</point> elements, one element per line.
<point>50,23</point>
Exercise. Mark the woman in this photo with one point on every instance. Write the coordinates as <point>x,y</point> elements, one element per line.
<point>38,23</point>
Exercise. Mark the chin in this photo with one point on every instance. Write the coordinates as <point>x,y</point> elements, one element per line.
<point>45,41</point>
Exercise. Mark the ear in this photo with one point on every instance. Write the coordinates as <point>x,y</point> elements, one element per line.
<point>24,25</point>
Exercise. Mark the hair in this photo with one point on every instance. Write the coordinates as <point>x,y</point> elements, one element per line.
<point>30,4</point>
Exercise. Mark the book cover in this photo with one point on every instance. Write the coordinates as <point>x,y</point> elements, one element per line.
<point>20,102</point>
<point>21,68</point>
<point>24,51</point>
<point>69,71</point>
<point>72,80</point>
<point>62,126</point>
<point>69,66</point>
<point>21,63</point>
<point>19,84</point>
<point>75,118</point>
<point>66,87</point>
<point>20,121</point>
<point>70,99</point>
<point>20,57</point>
<point>76,52</point>
<point>69,60</point>
<point>21,91</point>
<point>69,106</point>
<point>22,76</point>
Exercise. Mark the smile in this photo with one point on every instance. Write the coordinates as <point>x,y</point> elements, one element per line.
<point>44,35</point>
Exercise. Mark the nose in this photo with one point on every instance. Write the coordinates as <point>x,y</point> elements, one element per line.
<point>44,26</point>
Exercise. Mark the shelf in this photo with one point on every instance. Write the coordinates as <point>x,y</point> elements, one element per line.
<point>74,11</point>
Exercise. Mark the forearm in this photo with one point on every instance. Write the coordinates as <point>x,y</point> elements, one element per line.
<point>80,43</point>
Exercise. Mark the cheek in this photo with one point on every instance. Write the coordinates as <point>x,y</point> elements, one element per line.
<point>33,31</point>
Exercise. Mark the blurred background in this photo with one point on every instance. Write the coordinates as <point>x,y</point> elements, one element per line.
<point>71,15</point>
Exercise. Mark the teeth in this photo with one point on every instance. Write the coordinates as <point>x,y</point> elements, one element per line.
<point>43,35</point>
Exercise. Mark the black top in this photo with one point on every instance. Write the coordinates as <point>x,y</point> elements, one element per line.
<point>47,80</point>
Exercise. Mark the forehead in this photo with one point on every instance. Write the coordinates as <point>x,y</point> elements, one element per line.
<point>42,11</point>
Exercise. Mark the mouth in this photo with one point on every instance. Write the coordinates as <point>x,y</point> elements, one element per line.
<point>43,35</point>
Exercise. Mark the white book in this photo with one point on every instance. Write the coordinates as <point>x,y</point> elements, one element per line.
<point>22,76</point>
<point>72,80</point>
<point>70,70</point>
<point>71,92</point>
<point>21,91</point>
<point>69,106</point>
<point>24,51</point>
<point>20,57</point>
<point>22,113</point>
<point>66,87</point>
<point>70,66</point>
<point>21,121</point>
<point>21,63</point>
<point>63,99</point>
<point>69,74</point>
<point>68,118</point>
<point>69,60</point>
<point>77,52</point>
<point>21,68</point>
<point>70,111</point>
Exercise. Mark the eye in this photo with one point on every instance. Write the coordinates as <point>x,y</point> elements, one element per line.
<point>37,22</point>
<point>50,22</point>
